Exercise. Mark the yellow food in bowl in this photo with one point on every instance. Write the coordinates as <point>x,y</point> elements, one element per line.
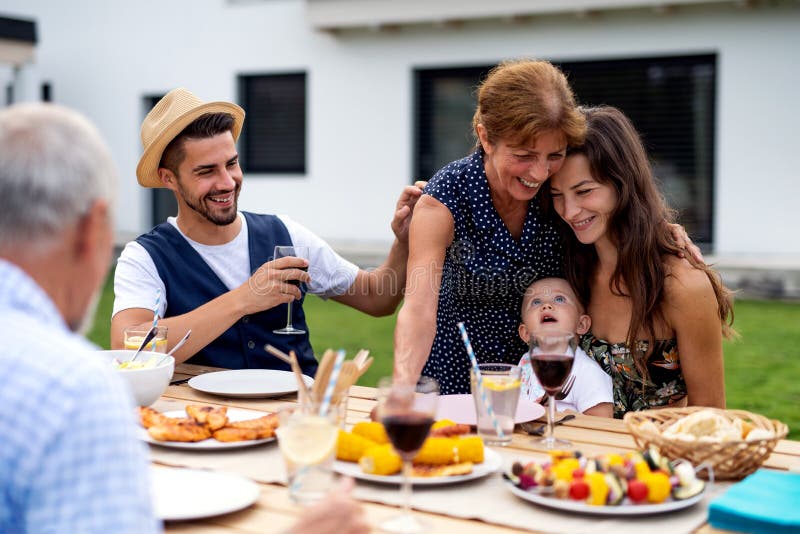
<point>138,364</point>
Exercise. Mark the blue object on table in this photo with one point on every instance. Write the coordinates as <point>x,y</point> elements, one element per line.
<point>764,502</point>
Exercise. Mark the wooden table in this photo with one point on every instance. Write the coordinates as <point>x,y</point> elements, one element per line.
<point>273,512</point>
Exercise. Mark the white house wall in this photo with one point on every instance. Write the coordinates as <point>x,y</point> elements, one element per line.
<point>103,56</point>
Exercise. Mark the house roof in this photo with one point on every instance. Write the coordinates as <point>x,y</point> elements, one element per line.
<point>333,15</point>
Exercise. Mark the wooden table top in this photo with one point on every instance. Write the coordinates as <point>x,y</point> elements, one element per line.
<point>274,512</point>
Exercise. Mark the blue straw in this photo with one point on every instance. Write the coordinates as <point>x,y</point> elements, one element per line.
<point>337,366</point>
<point>479,378</point>
<point>155,317</point>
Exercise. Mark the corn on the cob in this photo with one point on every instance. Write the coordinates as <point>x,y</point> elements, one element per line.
<point>445,451</point>
<point>372,430</point>
<point>438,451</point>
<point>351,447</point>
<point>380,460</point>
<point>470,449</point>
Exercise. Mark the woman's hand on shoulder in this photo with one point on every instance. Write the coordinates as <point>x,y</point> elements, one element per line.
<point>683,240</point>
<point>404,209</point>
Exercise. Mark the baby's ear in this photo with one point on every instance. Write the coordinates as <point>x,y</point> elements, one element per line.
<point>523,333</point>
<point>584,324</point>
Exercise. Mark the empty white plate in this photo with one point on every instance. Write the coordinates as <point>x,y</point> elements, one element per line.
<point>180,494</point>
<point>248,383</point>
<point>461,409</point>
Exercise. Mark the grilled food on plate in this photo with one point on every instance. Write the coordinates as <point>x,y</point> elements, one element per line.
<point>214,417</point>
<point>205,422</point>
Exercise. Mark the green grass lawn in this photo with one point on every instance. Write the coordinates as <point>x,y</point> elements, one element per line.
<point>762,368</point>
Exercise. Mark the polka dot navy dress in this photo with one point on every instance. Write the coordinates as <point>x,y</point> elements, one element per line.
<point>485,274</point>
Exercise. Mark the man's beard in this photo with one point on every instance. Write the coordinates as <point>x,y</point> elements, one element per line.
<point>224,218</point>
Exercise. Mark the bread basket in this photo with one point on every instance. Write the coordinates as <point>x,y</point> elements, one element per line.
<point>733,459</point>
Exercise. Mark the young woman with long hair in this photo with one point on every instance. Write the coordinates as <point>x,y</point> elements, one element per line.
<point>657,319</point>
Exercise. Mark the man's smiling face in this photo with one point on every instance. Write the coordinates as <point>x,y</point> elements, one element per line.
<point>209,178</point>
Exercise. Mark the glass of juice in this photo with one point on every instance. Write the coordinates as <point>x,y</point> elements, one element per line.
<point>407,412</point>
<point>307,440</point>
<point>552,356</point>
<point>134,335</point>
<point>501,385</point>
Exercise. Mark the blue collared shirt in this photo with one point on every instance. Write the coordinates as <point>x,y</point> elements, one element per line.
<point>69,457</point>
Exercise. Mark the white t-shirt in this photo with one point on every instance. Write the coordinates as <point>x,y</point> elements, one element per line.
<point>136,281</point>
<point>592,385</point>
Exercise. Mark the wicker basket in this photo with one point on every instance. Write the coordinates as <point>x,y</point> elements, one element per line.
<point>730,459</point>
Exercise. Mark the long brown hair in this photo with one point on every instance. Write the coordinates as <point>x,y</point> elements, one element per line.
<point>638,226</point>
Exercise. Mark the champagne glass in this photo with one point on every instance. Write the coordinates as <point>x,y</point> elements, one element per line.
<point>407,412</point>
<point>297,252</point>
<point>552,356</point>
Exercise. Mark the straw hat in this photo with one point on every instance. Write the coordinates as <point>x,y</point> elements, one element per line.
<point>167,119</point>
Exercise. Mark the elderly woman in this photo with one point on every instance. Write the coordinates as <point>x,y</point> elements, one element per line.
<point>657,319</point>
<point>479,237</point>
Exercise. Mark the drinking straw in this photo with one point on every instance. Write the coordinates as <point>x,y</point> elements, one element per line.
<point>326,398</point>
<point>479,378</point>
<point>155,317</point>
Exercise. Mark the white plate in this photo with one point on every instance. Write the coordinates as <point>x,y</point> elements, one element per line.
<point>461,409</point>
<point>248,383</point>
<point>179,494</point>
<point>569,505</point>
<point>491,463</point>
<point>210,444</point>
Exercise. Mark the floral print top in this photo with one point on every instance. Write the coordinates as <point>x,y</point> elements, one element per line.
<point>632,391</point>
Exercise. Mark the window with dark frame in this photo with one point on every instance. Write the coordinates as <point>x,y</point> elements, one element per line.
<point>273,140</point>
<point>669,99</point>
<point>162,200</point>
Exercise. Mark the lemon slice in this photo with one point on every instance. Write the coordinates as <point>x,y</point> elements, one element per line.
<point>309,441</point>
<point>133,342</point>
<point>500,383</point>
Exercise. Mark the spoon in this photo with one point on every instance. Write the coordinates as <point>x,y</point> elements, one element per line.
<point>176,347</point>
<point>147,339</point>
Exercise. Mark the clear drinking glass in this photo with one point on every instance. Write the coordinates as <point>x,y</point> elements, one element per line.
<point>307,441</point>
<point>297,252</point>
<point>134,335</point>
<point>552,356</point>
<point>407,412</point>
<point>501,383</point>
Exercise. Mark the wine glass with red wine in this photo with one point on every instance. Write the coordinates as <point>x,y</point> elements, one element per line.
<point>407,412</point>
<point>552,356</point>
<point>298,252</point>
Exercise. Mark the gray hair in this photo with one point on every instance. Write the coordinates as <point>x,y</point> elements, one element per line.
<point>53,166</point>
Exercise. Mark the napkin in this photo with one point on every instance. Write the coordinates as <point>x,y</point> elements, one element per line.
<point>766,501</point>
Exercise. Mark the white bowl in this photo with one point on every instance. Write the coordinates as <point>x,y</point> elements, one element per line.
<point>146,384</point>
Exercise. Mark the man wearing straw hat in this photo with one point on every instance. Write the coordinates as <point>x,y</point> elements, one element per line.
<point>70,458</point>
<point>212,265</point>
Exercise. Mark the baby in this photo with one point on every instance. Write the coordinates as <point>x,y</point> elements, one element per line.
<point>550,305</point>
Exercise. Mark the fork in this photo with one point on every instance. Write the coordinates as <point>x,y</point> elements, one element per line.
<point>538,430</point>
<point>565,389</point>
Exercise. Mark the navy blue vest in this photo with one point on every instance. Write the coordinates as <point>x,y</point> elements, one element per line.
<point>190,283</point>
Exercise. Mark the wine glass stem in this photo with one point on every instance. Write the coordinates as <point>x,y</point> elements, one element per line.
<point>551,417</point>
<point>406,489</point>
<point>289,316</point>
